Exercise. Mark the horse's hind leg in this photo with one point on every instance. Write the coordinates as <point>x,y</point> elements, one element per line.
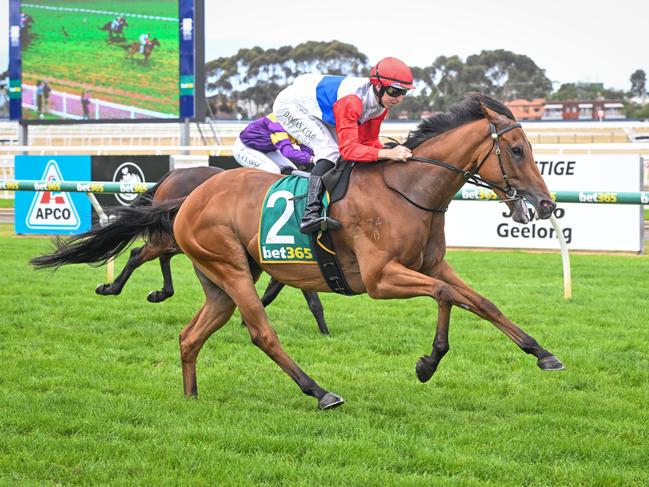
<point>135,260</point>
<point>213,315</point>
<point>315,305</point>
<point>168,286</point>
<point>240,286</point>
<point>271,292</point>
<point>484,308</point>
<point>264,337</point>
<point>312,300</point>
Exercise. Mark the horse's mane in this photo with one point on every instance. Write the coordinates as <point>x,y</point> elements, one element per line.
<point>468,110</point>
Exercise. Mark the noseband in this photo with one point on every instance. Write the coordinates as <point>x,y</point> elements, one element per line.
<point>472,175</point>
<point>509,190</point>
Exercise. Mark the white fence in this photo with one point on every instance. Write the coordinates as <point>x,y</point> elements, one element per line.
<point>68,106</point>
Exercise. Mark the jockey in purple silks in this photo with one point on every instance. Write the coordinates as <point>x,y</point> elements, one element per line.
<point>264,144</point>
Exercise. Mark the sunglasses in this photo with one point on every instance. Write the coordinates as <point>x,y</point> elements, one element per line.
<point>395,92</point>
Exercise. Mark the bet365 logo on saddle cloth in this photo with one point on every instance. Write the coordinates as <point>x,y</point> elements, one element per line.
<point>280,240</point>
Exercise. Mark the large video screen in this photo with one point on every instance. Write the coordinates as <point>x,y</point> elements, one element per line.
<point>100,60</point>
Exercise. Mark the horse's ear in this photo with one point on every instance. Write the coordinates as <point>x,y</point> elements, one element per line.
<point>490,114</point>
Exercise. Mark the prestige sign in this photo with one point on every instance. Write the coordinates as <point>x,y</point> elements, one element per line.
<point>584,226</point>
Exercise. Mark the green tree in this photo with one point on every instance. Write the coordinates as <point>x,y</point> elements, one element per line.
<point>252,77</point>
<point>638,83</point>
<point>585,91</point>
<point>508,76</point>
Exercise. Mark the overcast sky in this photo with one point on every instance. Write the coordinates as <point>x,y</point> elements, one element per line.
<point>572,40</point>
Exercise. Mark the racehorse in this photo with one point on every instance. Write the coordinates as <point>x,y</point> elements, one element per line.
<point>26,35</point>
<point>178,184</point>
<point>391,244</point>
<point>116,34</point>
<point>134,48</point>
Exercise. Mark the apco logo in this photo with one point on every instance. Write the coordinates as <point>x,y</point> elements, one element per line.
<point>52,209</point>
<point>128,172</point>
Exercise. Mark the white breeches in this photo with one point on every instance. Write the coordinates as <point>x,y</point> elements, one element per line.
<point>307,129</point>
<point>270,162</point>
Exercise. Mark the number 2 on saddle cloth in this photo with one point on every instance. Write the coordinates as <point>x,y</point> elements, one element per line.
<point>280,240</point>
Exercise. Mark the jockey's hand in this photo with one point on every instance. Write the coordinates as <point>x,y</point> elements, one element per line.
<point>398,153</point>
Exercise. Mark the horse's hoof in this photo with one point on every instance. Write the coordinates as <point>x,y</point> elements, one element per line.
<point>157,296</point>
<point>425,369</point>
<point>550,363</point>
<point>330,401</point>
<point>103,289</point>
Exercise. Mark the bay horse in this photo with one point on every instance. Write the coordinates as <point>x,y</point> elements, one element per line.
<point>391,244</point>
<point>133,48</point>
<point>173,185</point>
<point>116,34</point>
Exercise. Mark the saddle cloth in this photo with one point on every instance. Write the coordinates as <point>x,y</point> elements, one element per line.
<point>280,240</point>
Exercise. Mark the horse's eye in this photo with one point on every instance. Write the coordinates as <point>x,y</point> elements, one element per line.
<point>517,151</point>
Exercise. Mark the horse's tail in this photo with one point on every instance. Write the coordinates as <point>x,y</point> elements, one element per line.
<point>100,244</point>
<point>146,198</point>
<point>105,26</point>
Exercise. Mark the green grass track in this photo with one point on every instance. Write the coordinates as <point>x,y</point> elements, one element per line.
<point>92,390</point>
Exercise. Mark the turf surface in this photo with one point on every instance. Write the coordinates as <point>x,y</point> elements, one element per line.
<point>91,385</point>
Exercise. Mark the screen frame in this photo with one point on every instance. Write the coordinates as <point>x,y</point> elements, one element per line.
<point>191,76</point>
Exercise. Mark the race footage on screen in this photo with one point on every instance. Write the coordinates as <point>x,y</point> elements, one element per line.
<point>100,60</point>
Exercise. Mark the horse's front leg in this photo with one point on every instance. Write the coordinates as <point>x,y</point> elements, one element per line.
<point>484,308</point>
<point>395,281</point>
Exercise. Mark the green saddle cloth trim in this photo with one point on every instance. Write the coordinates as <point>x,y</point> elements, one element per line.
<point>280,240</point>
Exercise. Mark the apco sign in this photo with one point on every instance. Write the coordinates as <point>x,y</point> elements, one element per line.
<point>50,210</point>
<point>584,226</point>
<point>128,171</point>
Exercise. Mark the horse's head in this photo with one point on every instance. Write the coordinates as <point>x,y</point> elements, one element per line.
<point>155,42</point>
<point>506,160</point>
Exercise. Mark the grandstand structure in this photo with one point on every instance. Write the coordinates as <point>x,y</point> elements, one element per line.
<point>224,133</point>
<point>217,137</point>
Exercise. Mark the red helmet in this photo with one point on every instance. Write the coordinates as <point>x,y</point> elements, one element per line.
<point>391,71</point>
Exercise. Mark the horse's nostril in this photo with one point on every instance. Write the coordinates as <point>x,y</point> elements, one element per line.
<point>548,205</point>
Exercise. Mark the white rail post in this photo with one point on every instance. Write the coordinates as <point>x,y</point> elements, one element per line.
<point>565,259</point>
<point>103,221</point>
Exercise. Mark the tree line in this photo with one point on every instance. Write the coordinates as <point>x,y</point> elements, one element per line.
<point>246,83</point>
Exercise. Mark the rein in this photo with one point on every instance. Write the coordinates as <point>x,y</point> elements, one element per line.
<point>472,176</point>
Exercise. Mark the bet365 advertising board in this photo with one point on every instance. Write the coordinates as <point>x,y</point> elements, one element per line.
<point>52,211</point>
<point>608,226</point>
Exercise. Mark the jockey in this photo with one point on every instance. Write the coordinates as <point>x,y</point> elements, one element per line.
<point>264,144</point>
<point>144,40</point>
<point>341,116</point>
<point>115,24</point>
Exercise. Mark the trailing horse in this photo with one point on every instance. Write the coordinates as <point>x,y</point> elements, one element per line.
<point>115,34</point>
<point>391,244</point>
<point>174,185</point>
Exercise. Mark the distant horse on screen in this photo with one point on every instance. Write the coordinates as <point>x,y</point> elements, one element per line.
<point>116,33</point>
<point>391,244</point>
<point>134,48</point>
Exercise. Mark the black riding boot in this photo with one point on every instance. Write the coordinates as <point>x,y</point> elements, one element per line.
<point>312,221</point>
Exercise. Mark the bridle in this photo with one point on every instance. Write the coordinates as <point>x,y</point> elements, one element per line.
<point>472,176</point>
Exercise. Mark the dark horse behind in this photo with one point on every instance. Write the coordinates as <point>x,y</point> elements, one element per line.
<point>391,244</point>
<point>162,246</point>
<point>117,34</point>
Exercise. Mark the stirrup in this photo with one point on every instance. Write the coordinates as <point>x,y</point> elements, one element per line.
<point>323,223</point>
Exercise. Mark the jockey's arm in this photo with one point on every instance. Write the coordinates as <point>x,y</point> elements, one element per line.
<point>356,142</point>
